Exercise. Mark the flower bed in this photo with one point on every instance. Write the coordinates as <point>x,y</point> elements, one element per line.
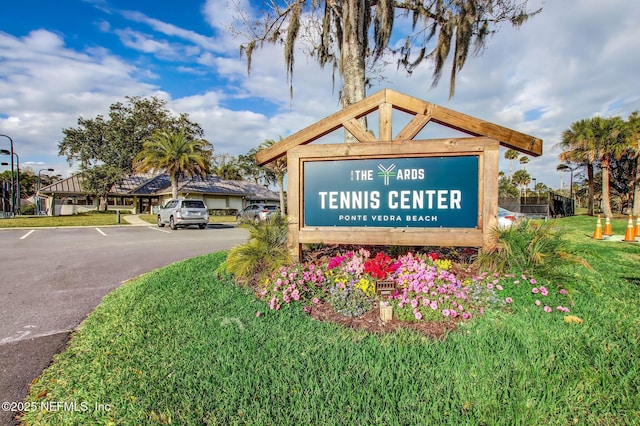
<point>427,290</point>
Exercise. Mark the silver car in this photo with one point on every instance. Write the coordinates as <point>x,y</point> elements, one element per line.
<point>183,212</point>
<point>258,212</point>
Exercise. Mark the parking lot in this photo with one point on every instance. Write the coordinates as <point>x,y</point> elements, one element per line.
<point>53,278</point>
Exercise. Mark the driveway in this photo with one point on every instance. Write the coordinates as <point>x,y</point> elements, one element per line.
<point>51,279</point>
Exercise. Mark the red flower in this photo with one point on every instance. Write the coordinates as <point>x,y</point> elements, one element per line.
<point>380,266</point>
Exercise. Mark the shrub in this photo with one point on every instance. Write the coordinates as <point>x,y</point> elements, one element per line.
<point>252,263</point>
<point>528,245</point>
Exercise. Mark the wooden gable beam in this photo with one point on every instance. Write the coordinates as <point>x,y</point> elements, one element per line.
<point>321,128</point>
<point>412,129</point>
<point>466,123</point>
<point>385,101</point>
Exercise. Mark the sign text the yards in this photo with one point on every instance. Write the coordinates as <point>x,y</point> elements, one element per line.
<point>392,192</point>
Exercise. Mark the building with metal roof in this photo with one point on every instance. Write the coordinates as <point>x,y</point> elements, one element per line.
<point>142,193</point>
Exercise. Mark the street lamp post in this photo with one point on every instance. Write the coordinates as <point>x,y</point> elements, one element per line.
<point>17,188</point>
<point>5,191</point>
<point>12,187</point>
<point>38,198</point>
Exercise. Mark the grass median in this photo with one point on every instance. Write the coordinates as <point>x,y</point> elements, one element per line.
<point>93,218</point>
<point>183,345</point>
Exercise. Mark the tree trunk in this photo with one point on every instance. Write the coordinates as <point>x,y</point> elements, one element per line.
<point>174,186</point>
<point>606,203</point>
<point>281,191</point>
<point>591,189</point>
<point>636,189</point>
<point>353,52</point>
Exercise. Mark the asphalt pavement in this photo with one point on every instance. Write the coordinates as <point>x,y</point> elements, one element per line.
<point>53,278</point>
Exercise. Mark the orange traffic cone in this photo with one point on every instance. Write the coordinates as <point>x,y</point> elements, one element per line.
<point>607,228</point>
<point>637,230</point>
<point>629,236</point>
<point>597,234</point>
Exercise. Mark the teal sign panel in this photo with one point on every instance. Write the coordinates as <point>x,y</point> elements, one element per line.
<point>427,192</point>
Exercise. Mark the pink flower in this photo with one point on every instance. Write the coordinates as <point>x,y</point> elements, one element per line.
<point>533,281</point>
<point>446,312</point>
<point>524,277</point>
<point>547,309</point>
<point>307,309</point>
<point>466,315</point>
<point>563,291</point>
<point>417,314</point>
<point>490,286</point>
<point>508,300</point>
<point>516,282</point>
<point>538,303</point>
<point>258,314</point>
<point>535,290</point>
<point>277,307</point>
<point>414,304</point>
<point>499,287</point>
<point>296,295</point>
<point>433,305</point>
<point>315,300</point>
<point>543,291</point>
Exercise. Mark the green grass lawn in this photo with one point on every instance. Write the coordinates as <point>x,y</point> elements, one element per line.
<point>81,219</point>
<point>182,345</point>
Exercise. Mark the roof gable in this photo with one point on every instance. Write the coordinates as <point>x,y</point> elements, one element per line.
<point>385,101</point>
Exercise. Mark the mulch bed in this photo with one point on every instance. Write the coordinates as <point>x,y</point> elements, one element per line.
<point>372,323</point>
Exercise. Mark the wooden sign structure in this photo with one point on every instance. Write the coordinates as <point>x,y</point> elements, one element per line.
<point>483,145</point>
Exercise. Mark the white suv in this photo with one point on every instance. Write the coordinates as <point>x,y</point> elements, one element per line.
<point>183,212</point>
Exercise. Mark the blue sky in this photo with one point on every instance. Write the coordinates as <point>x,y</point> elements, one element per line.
<point>60,60</point>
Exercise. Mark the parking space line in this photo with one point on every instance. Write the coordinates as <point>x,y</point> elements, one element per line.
<point>159,230</point>
<point>100,231</point>
<point>27,234</point>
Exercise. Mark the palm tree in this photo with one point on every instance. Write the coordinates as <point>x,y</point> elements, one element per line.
<point>633,139</point>
<point>577,145</point>
<point>279,168</point>
<point>609,145</point>
<point>566,167</point>
<point>524,160</point>
<point>522,179</point>
<point>174,154</point>
<point>511,154</point>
